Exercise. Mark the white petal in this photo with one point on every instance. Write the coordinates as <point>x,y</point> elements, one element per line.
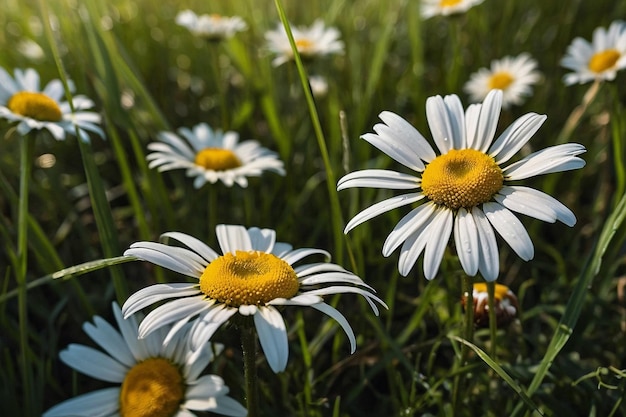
<point>101,403</point>
<point>233,238</point>
<point>176,259</point>
<point>446,123</point>
<point>273,337</point>
<point>515,136</point>
<point>553,159</point>
<point>339,318</point>
<point>488,120</point>
<point>511,229</point>
<point>440,226</point>
<point>384,141</point>
<point>173,311</point>
<point>262,239</point>
<point>466,241</point>
<point>157,292</point>
<point>94,363</point>
<point>205,326</point>
<point>298,254</point>
<point>535,203</point>
<point>411,250</point>
<point>407,138</point>
<point>378,178</point>
<point>332,277</point>
<point>191,242</point>
<point>304,299</point>
<point>489,261</point>
<point>309,269</point>
<point>382,207</point>
<point>413,223</point>
<point>110,340</point>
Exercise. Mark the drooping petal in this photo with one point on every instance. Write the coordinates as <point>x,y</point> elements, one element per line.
<point>173,311</point>
<point>553,159</point>
<point>488,261</point>
<point>535,203</point>
<point>101,403</point>
<point>93,363</point>
<point>191,242</point>
<point>511,229</point>
<point>466,241</point>
<point>413,223</point>
<point>382,207</point>
<point>440,226</point>
<point>339,318</point>
<point>378,178</point>
<point>273,337</point>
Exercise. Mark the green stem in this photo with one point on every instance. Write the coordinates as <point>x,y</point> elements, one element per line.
<point>248,346</point>
<point>493,324</point>
<point>468,291</point>
<point>22,257</point>
<point>336,217</point>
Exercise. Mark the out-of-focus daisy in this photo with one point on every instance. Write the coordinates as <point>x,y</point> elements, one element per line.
<point>464,189</point>
<point>30,49</point>
<point>318,40</point>
<point>598,60</point>
<point>210,156</point>
<point>255,276</point>
<point>22,101</point>
<point>430,8</point>
<point>154,376</point>
<point>211,26</point>
<point>319,85</point>
<point>505,304</point>
<point>513,75</point>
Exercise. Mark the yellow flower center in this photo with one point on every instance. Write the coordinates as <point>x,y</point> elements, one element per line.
<point>604,60</point>
<point>461,178</point>
<point>248,278</point>
<point>449,3</point>
<point>304,45</point>
<point>217,159</point>
<point>37,106</point>
<point>152,388</point>
<point>500,80</point>
<point>499,293</point>
<point>216,16</point>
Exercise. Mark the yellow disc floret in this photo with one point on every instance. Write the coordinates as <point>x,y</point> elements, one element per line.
<point>500,80</point>
<point>461,178</point>
<point>37,106</point>
<point>604,60</point>
<point>449,3</point>
<point>152,388</point>
<point>248,278</point>
<point>217,159</point>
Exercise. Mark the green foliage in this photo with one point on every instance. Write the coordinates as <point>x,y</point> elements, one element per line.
<point>565,353</point>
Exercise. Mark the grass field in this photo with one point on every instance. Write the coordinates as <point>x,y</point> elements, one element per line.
<point>68,202</point>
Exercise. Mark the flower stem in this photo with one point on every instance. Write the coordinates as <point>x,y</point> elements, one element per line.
<point>468,291</point>
<point>22,262</point>
<point>248,346</point>
<point>493,324</point>
<point>335,208</point>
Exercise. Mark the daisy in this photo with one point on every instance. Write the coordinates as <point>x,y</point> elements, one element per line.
<point>466,188</point>
<point>432,8</point>
<point>317,40</point>
<point>211,27</point>
<point>513,75</point>
<point>254,277</point>
<point>154,376</point>
<point>598,60</point>
<point>22,101</point>
<point>505,304</point>
<point>210,156</point>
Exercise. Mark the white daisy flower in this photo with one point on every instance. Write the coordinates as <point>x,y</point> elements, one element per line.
<point>22,101</point>
<point>318,40</point>
<point>319,86</point>
<point>598,60</point>
<point>254,277</point>
<point>430,8</point>
<point>211,26</point>
<point>210,156</point>
<point>154,377</point>
<point>466,188</point>
<point>513,75</point>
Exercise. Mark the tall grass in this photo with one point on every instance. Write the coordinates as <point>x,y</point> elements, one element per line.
<point>564,355</point>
